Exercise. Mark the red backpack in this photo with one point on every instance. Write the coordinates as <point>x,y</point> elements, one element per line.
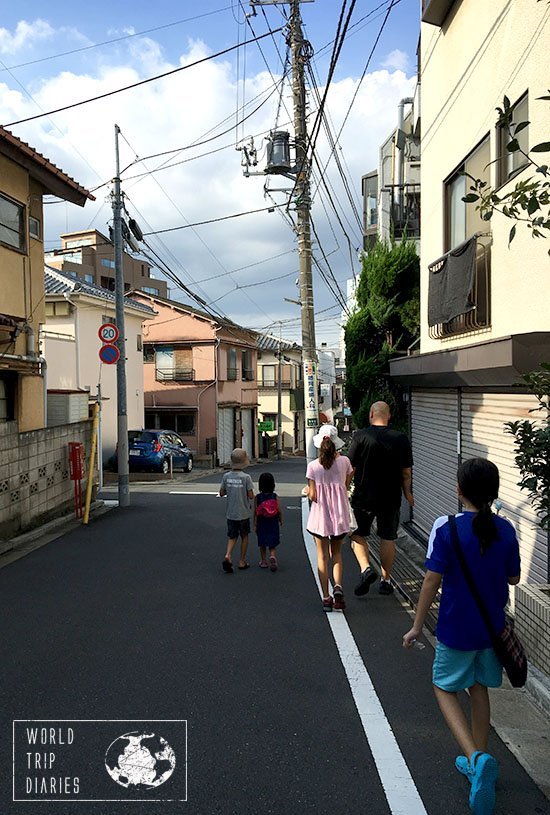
<point>268,508</point>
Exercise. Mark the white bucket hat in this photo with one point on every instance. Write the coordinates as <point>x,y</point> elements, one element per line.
<point>328,431</point>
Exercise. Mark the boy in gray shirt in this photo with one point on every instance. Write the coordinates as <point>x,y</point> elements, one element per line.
<point>238,488</point>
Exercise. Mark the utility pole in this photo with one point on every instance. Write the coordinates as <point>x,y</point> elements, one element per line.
<point>122,407</point>
<point>280,397</point>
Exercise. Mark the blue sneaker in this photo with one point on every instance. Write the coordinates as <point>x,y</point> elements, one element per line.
<point>463,766</point>
<point>484,773</point>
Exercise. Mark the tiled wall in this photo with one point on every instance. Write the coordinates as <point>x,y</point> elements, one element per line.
<point>532,614</point>
<point>34,475</point>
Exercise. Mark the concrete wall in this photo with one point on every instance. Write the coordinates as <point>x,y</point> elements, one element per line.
<point>460,91</point>
<point>532,613</point>
<point>34,475</point>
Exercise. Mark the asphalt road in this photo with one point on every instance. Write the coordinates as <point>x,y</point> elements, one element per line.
<point>132,618</point>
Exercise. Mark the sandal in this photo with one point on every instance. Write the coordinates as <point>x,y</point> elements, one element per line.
<point>246,566</point>
<point>484,773</point>
<point>263,564</point>
<point>227,566</point>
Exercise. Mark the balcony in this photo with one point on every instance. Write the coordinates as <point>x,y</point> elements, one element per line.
<point>435,11</point>
<point>175,374</point>
<point>477,311</point>
<point>272,383</point>
<point>405,210</point>
<point>248,374</point>
<point>232,374</point>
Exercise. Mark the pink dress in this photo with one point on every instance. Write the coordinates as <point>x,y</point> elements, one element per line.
<point>330,514</point>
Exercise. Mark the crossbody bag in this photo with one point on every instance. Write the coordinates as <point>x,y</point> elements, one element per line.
<point>506,643</point>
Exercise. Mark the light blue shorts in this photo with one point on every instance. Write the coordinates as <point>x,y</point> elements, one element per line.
<point>457,670</point>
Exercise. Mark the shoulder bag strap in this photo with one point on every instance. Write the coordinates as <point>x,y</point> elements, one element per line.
<point>469,577</point>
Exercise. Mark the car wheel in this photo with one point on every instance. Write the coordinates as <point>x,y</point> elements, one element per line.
<point>165,466</point>
<point>189,466</point>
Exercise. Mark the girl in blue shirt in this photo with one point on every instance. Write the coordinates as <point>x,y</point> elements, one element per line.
<point>464,658</point>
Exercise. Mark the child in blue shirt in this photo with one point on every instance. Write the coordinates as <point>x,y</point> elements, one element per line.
<point>267,521</point>
<point>464,658</point>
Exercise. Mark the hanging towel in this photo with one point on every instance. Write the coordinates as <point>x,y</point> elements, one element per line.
<point>450,283</point>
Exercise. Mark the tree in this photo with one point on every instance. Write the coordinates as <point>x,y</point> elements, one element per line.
<point>386,322</point>
<point>532,442</point>
<point>528,201</point>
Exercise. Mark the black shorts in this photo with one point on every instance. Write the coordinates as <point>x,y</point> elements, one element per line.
<point>387,522</point>
<point>236,528</point>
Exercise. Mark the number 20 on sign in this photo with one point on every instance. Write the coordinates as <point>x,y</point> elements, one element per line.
<point>108,332</point>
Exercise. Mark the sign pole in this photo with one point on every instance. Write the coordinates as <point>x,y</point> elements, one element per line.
<point>122,406</point>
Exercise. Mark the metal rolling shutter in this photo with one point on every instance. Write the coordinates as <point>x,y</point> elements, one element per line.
<point>434,427</point>
<point>483,418</point>
<point>226,434</point>
<point>247,424</point>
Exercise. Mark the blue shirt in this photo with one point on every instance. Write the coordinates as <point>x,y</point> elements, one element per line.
<point>459,622</point>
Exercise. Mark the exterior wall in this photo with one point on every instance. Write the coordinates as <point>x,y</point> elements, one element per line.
<point>268,399</point>
<point>71,346</point>
<point>34,475</point>
<point>460,91</point>
<point>22,288</point>
<point>532,613</point>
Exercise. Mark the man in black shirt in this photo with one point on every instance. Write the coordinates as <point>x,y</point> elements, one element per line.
<point>382,459</point>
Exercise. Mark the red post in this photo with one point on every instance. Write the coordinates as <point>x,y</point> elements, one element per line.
<point>76,471</point>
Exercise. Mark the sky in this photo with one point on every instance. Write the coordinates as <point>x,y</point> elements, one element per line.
<point>37,74</point>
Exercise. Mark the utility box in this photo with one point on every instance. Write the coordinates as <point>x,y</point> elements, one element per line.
<point>278,152</point>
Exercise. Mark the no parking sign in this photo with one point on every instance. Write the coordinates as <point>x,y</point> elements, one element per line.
<point>109,354</point>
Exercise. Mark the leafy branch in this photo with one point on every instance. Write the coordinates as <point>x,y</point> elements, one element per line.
<point>529,200</point>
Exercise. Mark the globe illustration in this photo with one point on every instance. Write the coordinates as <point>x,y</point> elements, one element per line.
<point>140,761</point>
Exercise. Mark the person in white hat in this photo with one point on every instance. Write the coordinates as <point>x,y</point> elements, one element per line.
<point>329,516</point>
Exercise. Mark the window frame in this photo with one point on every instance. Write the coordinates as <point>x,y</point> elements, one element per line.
<point>38,235</point>
<point>23,249</point>
<point>503,155</point>
<point>449,180</point>
<point>232,365</point>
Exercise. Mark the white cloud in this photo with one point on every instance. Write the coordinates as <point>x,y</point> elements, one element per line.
<point>396,60</point>
<point>178,111</point>
<point>25,35</point>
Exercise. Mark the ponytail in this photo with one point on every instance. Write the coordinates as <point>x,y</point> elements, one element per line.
<point>327,453</point>
<point>478,480</point>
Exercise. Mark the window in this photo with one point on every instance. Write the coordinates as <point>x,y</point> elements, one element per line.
<point>463,220</point>
<point>108,283</point>
<point>370,200</point>
<point>59,309</point>
<point>139,343</point>
<point>88,278</point>
<point>232,363</point>
<point>247,372</point>
<point>148,353</point>
<point>34,228</point>
<point>150,290</point>
<point>268,376</point>
<point>12,224</point>
<point>511,162</point>
<point>8,383</point>
<point>106,262</point>
<point>142,270</point>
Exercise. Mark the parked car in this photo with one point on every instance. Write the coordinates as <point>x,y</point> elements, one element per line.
<point>152,450</point>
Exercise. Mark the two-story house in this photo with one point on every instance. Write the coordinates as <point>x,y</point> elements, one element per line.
<point>200,378</point>
<point>90,256</point>
<point>485,318</point>
<point>274,356</point>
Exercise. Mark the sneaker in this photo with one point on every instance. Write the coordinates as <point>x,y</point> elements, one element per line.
<point>339,601</point>
<point>327,603</point>
<point>263,564</point>
<point>385,587</point>
<point>273,563</point>
<point>483,774</point>
<point>367,578</point>
<point>463,766</point>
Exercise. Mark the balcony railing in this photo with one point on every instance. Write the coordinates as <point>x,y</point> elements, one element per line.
<point>232,374</point>
<point>248,374</point>
<point>405,210</point>
<point>175,374</point>
<point>272,383</point>
<point>478,317</point>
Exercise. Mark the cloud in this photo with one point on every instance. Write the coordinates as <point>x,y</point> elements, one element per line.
<point>24,36</point>
<point>396,60</point>
<point>178,111</point>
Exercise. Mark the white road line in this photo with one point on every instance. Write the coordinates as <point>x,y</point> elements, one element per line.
<point>399,788</point>
<point>187,492</point>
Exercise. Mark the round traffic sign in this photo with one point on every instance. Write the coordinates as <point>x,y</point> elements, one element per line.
<point>108,332</point>
<point>109,354</point>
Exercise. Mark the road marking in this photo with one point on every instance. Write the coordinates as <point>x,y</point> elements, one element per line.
<point>187,492</point>
<point>398,785</point>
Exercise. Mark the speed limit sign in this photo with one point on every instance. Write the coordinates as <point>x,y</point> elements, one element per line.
<point>108,332</point>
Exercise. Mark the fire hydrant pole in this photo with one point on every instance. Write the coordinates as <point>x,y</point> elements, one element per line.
<point>90,483</point>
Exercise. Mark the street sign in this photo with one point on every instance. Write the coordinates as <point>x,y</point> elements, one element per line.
<point>109,354</point>
<point>108,332</point>
<point>267,426</point>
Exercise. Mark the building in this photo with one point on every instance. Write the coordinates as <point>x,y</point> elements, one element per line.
<point>484,303</point>
<point>33,462</point>
<point>90,257</point>
<point>75,310</point>
<point>200,378</point>
<point>292,390</point>
<point>391,194</point>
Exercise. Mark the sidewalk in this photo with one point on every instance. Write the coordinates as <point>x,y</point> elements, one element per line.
<point>521,717</point>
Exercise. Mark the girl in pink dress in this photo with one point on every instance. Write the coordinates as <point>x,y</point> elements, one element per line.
<point>329,516</point>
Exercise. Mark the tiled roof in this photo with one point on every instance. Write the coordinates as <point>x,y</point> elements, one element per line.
<point>57,282</point>
<point>24,149</point>
<point>266,342</point>
<point>224,322</point>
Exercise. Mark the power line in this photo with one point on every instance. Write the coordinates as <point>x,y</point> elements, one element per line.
<point>141,82</point>
<point>215,220</point>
